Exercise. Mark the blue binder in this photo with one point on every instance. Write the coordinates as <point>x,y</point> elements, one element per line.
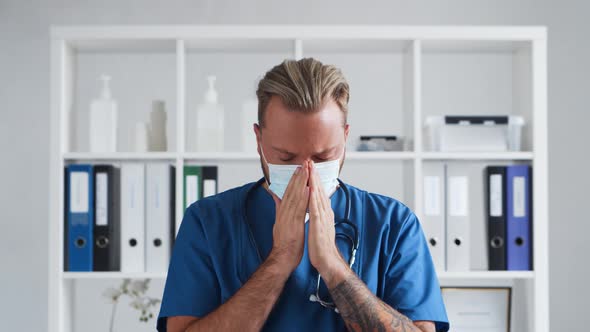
<point>80,217</point>
<point>518,222</point>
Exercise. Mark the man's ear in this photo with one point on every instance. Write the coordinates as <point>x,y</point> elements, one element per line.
<point>346,130</point>
<point>258,133</point>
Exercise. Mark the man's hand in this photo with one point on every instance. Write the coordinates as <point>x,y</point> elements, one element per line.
<point>323,252</point>
<point>360,309</point>
<point>289,229</point>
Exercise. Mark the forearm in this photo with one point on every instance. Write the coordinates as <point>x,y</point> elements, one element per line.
<point>250,306</point>
<point>361,309</point>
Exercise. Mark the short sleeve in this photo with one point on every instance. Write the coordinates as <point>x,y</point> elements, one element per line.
<point>192,288</point>
<point>411,285</point>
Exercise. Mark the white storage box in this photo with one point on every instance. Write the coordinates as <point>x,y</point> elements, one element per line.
<point>474,133</point>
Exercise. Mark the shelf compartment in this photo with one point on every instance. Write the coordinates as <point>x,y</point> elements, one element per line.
<point>525,155</point>
<point>79,156</point>
<point>486,275</point>
<point>381,76</point>
<point>112,275</point>
<point>492,78</point>
<point>237,66</point>
<point>141,71</point>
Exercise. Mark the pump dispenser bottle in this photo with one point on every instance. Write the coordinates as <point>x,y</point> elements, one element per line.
<point>210,121</point>
<point>103,122</point>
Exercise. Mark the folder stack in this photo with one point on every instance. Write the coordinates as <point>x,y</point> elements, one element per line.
<point>121,218</point>
<point>477,217</point>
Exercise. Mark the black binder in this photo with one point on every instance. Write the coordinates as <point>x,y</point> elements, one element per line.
<point>496,215</point>
<point>66,221</point>
<point>209,176</point>
<point>107,232</point>
<point>172,203</point>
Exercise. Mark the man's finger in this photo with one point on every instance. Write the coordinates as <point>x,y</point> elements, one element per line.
<point>303,190</point>
<point>320,191</point>
<point>291,183</point>
<point>314,204</point>
<point>277,201</point>
<point>301,181</point>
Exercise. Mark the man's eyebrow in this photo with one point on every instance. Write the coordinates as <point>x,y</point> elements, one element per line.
<point>328,150</point>
<point>283,151</point>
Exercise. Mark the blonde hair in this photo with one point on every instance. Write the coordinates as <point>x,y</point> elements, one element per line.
<point>303,86</point>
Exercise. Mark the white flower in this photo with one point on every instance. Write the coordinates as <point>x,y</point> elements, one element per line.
<point>138,286</point>
<point>112,294</point>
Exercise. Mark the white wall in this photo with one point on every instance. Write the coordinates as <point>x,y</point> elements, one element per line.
<point>24,119</point>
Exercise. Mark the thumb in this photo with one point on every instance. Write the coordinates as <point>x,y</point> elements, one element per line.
<point>276,199</point>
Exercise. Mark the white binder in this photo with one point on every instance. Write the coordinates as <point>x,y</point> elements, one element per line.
<point>132,217</point>
<point>433,214</point>
<point>458,241</point>
<point>466,222</point>
<point>158,218</point>
<point>478,216</point>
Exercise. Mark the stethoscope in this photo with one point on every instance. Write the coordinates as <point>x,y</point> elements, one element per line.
<point>353,240</point>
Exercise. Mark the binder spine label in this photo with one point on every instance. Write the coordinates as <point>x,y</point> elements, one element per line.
<point>518,200</point>
<point>458,196</point>
<point>496,207</point>
<point>432,196</point>
<point>209,187</point>
<point>102,209</point>
<point>79,192</point>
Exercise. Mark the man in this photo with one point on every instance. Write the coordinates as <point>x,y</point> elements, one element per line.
<point>250,258</point>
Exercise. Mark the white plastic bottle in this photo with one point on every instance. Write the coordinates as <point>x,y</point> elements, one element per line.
<point>103,120</point>
<point>210,121</point>
<point>157,132</point>
<point>141,136</point>
<point>249,118</point>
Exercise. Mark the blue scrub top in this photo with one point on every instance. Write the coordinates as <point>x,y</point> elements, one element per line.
<point>214,255</point>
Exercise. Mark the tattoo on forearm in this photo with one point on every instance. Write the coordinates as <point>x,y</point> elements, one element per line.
<point>363,311</point>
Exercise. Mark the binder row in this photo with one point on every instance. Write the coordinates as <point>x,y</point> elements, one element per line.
<point>478,217</point>
<point>122,218</point>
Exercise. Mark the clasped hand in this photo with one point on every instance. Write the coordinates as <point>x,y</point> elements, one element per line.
<point>305,193</point>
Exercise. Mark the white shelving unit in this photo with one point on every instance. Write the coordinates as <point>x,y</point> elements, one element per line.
<point>504,70</point>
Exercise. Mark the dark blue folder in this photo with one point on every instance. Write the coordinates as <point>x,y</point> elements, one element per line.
<point>518,222</point>
<point>80,217</point>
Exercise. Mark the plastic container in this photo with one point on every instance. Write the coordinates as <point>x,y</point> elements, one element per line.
<point>210,121</point>
<point>474,133</point>
<point>249,118</point>
<point>103,120</point>
<point>141,137</point>
<point>157,130</point>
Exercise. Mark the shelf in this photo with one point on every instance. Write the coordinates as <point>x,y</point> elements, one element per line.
<point>419,71</point>
<point>109,45</point>
<point>471,275</point>
<point>73,156</point>
<point>246,156</point>
<point>112,275</point>
<point>243,156</point>
<point>255,45</point>
<point>380,155</point>
<point>473,46</point>
<point>484,275</point>
<point>220,156</point>
<point>477,155</point>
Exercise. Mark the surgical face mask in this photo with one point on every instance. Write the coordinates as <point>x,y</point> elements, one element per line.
<point>280,175</point>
